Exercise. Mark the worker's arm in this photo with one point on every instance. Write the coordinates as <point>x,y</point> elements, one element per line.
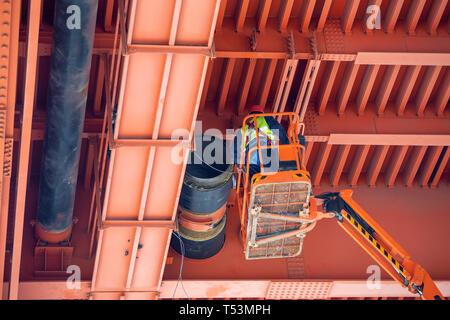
<point>379,245</point>
<point>280,132</point>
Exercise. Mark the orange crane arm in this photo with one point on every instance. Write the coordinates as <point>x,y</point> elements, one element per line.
<point>379,245</point>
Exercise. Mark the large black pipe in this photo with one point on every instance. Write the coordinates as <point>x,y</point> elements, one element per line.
<point>73,37</point>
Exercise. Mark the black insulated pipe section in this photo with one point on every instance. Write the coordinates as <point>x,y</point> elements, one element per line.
<point>207,182</point>
<point>73,38</point>
<point>206,188</point>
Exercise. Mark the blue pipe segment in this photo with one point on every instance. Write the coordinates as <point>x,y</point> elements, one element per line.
<point>73,38</point>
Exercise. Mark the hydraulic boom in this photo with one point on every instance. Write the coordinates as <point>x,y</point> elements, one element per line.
<point>379,245</point>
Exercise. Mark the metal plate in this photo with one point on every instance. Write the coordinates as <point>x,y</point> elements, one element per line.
<point>286,199</point>
<point>284,290</point>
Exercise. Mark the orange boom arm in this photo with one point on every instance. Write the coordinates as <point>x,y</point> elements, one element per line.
<point>379,245</point>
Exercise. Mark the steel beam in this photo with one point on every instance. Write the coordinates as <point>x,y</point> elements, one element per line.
<point>395,163</point>
<point>141,234</point>
<point>406,88</point>
<point>120,142</point>
<point>10,31</point>
<point>357,164</point>
<point>327,85</point>
<point>225,83</point>
<point>435,15</point>
<point>284,14</point>
<point>263,14</point>
<point>346,87</point>
<point>443,95</point>
<point>306,15</point>
<point>348,17</point>
<point>241,13</point>
<point>108,15</point>
<point>430,164</point>
<point>324,15</point>
<point>168,224</point>
<point>376,164</point>
<point>392,14</point>
<point>34,17</point>
<point>414,12</point>
<point>134,48</point>
<point>221,15</point>
<point>309,147</point>
<point>99,86</point>
<point>284,85</point>
<point>206,85</point>
<point>424,93</point>
<point>404,58</point>
<point>226,289</point>
<point>89,164</point>
<point>395,48</point>
<point>413,164</point>
<point>390,139</point>
<point>321,161</point>
<point>390,75</point>
<point>306,87</point>
<point>366,88</point>
<point>266,81</point>
<point>259,289</point>
<point>246,80</point>
<point>169,98</point>
<point>440,167</point>
<point>338,165</point>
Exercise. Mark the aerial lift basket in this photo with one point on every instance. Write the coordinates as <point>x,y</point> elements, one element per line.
<point>273,229</point>
<point>274,206</point>
<point>277,210</point>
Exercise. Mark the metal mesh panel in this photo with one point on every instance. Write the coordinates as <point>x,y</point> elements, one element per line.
<point>284,200</point>
<point>281,290</point>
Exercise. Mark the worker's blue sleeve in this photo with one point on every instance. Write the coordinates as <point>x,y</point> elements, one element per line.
<point>254,156</point>
<point>275,125</point>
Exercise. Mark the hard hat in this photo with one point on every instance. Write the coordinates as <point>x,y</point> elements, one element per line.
<point>256,108</point>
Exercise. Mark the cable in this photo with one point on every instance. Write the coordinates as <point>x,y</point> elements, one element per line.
<point>233,174</point>
<point>180,280</point>
<point>195,154</point>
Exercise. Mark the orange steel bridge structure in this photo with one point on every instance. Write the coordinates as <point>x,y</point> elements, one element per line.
<point>374,102</point>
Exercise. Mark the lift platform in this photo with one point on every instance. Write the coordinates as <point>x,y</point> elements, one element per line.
<point>275,206</point>
<point>278,208</point>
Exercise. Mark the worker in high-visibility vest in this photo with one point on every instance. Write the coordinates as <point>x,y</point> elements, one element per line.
<point>270,133</point>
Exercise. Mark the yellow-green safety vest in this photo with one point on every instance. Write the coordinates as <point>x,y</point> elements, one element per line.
<point>249,132</point>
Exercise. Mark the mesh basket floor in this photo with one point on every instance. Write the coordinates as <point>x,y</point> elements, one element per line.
<point>282,199</point>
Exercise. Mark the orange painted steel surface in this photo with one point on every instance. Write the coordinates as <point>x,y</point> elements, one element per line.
<point>388,137</point>
<point>10,28</point>
<point>229,289</point>
<point>144,182</point>
<point>385,250</point>
<point>328,253</point>
<point>30,84</point>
